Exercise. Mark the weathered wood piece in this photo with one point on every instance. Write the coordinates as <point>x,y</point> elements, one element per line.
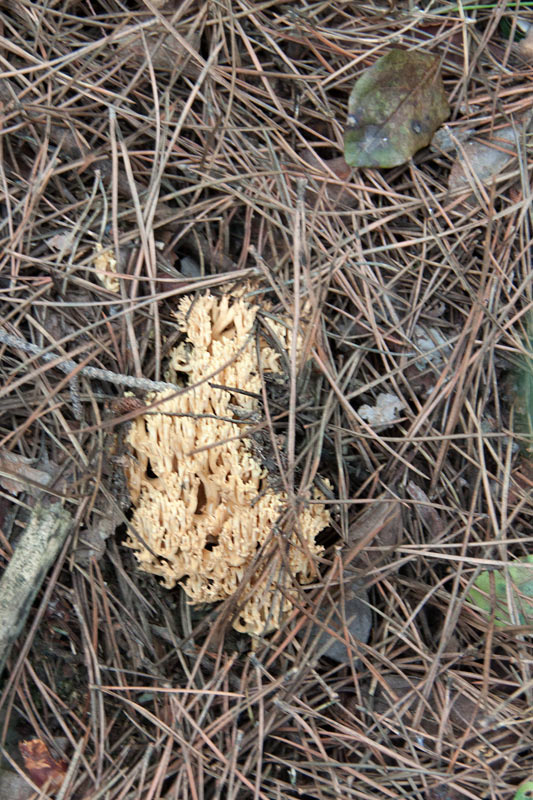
<point>35,552</point>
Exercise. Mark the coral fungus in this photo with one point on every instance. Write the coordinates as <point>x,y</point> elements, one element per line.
<point>204,504</point>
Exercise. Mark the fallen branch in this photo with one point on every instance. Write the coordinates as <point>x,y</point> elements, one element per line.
<point>35,552</point>
<point>68,366</point>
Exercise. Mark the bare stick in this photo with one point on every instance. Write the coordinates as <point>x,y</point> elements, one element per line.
<point>36,551</point>
<point>90,372</point>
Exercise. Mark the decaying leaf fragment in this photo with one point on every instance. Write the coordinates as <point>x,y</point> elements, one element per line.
<point>105,265</point>
<point>45,771</point>
<point>394,109</point>
<point>204,504</point>
<point>374,533</point>
<point>19,474</point>
<point>384,413</point>
<point>346,620</point>
<point>481,161</point>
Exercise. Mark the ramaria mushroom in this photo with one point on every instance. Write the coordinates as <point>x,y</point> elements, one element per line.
<point>204,502</point>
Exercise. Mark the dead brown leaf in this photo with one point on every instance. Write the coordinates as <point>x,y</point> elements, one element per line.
<point>461,711</point>
<point>376,531</point>
<point>424,507</point>
<point>443,792</point>
<point>17,475</point>
<point>46,771</point>
<point>331,183</point>
<point>160,47</point>
<point>525,47</point>
<point>92,542</point>
<point>481,161</point>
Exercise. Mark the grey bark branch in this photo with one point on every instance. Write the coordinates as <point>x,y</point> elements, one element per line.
<point>66,365</point>
<point>35,552</point>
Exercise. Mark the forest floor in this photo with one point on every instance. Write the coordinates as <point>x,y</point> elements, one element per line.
<point>151,152</point>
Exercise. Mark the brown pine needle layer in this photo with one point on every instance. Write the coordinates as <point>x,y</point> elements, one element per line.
<point>150,151</point>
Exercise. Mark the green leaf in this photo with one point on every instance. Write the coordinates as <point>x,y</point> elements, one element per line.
<point>523,396</point>
<point>524,791</point>
<point>490,593</point>
<point>394,109</point>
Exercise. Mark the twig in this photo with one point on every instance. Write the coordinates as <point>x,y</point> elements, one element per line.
<point>36,550</point>
<point>67,365</point>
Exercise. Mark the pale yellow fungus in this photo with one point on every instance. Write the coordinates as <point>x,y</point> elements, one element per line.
<point>204,504</point>
<point>105,265</point>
